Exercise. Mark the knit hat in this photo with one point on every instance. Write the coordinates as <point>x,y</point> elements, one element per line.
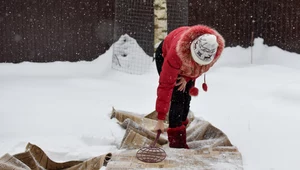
<point>204,48</point>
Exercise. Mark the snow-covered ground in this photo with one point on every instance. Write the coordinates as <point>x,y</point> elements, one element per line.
<point>64,107</point>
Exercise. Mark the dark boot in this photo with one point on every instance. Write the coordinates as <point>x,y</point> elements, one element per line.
<point>177,137</point>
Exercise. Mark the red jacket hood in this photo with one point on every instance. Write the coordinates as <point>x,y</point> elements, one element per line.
<point>184,42</point>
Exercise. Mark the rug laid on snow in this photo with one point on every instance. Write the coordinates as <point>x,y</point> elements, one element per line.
<point>210,149</point>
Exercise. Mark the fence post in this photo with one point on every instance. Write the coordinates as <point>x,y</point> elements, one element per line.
<point>252,39</point>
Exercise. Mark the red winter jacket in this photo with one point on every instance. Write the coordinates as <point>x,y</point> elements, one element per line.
<point>178,61</point>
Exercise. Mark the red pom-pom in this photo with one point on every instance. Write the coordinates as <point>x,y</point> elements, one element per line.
<point>204,86</point>
<point>194,91</point>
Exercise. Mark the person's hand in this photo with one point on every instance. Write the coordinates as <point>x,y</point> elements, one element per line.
<point>181,83</point>
<point>160,126</point>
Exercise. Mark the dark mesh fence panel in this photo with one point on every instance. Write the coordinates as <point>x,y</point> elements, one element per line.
<point>178,13</point>
<point>134,34</point>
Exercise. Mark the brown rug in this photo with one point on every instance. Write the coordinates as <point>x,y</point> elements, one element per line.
<point>210,149</point>
<point>34,158</point>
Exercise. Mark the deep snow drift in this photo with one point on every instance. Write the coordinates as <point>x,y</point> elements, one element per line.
<point>64,107</point>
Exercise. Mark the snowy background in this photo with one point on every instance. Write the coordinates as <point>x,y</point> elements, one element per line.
<point>64,107</point>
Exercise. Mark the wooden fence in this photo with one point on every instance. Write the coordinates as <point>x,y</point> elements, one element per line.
<point>69,30</point>
<point>55,30</point>
<point>276,21</point>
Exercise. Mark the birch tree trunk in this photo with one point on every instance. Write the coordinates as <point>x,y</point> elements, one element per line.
<point>160,21</point>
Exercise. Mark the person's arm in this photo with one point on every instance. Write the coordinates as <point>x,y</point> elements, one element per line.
<point>167,81</point>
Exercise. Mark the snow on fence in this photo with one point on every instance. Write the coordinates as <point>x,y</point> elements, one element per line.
<point>133,36</point>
